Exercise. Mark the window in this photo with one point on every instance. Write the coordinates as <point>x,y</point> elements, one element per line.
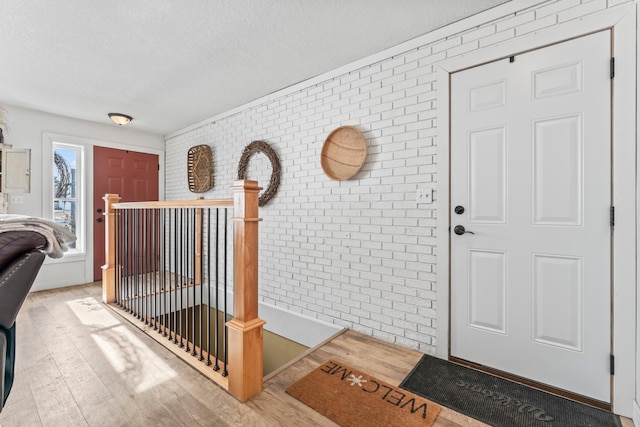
<point>67,190</point>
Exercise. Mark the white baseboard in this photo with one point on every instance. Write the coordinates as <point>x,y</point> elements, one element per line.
<point>296,327</point>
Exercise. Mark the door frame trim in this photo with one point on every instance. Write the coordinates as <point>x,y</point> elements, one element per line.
<point>622,21</point>
<point>47,190</point>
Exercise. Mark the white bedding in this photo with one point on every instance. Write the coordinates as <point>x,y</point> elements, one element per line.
<point>58,237</point>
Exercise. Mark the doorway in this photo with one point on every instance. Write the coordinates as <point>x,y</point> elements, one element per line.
<point>530,200</point>
<point>130,174</point>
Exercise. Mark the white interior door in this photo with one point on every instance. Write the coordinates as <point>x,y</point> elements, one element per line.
<point>531,168</point>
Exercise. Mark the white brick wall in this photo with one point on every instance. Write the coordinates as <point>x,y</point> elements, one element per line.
<point>358,253</point>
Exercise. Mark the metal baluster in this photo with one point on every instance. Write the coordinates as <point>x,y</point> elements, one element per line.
<point>216,367</point>
<point>154,267</point>
<point>123,257</point>
<point>166,239</point>
<point>175,276</point>
<point>148,257</point>
<point>134,268</point>
<point>161,287</point>
<point>181,277</point>
<point>134,255</point>
<point>117,259</point>
<point>208,362</point>
<point>142,256</point>
<point>225,372</point>
<point>127,263</point>
<point>188,274</point>
<point>202,258</point>
<point>193,289</point>
<point>144,259</point>
<point>136,260</point>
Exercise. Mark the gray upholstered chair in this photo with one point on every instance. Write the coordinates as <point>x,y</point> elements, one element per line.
<point>20,262</point>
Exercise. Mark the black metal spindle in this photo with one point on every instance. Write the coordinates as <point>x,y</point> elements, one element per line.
<point>142,256</point>
<point>147,257</point>
<point>160,263</point>
<point>182,275</point>
<point>125,259</point>
<point>201,274</point>
<point>208,362</point>
<point>175,276</point>
<point>216,367</point>
<point>178,280</point>
<point>154,267</point>
<point>224,330</point>
<point>187,274</point>
<point>193,288</point>
<point>118,264</point>
<point>136,263</point>
<point>116,259</point>
<point>166,239</point>
<point>130,265</point>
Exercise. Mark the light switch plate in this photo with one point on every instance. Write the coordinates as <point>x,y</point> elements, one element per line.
<point>424,195</point>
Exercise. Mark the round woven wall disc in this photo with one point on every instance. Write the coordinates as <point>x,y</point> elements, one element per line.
<point>343,153</point>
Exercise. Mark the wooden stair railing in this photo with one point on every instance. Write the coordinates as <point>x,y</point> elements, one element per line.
<point>242,371</point>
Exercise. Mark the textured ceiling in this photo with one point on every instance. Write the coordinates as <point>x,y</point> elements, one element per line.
<point>170,64</point>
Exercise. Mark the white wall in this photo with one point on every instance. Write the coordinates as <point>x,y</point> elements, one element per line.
<point>25,129</point>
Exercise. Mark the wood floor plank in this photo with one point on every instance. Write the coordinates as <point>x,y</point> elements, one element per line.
<point>53,399</point>
<point>80,363</point>
<point>19,410</point>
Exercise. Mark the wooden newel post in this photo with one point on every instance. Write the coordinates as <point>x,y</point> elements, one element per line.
<point>109,268</point>
<point>246,328</point>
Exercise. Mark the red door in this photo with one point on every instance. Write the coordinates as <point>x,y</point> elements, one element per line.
<point>132,175</point>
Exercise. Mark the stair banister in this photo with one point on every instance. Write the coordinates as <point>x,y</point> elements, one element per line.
<point>245,330</point>
<point>109,269</point>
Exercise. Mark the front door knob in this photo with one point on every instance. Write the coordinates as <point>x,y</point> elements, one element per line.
<point>459,230</point>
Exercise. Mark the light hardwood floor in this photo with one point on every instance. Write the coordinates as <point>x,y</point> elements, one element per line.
<point>81,364</point>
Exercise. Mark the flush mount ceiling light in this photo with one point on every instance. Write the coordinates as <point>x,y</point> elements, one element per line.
<point>120,119</point>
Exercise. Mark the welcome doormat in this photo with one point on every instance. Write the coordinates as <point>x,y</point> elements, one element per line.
<point>352,398</point>
<point>497,401</point>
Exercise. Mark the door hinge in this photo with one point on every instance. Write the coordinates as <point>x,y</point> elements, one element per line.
<point>612,364</point>
<point>612,216</point>
<point>613,67</point>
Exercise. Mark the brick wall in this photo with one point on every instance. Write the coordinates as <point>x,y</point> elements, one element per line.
<point>358,253</point>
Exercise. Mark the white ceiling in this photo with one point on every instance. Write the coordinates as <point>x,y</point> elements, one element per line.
<point>170,64</point>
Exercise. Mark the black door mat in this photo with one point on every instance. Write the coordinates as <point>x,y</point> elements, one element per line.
<point>497,401</point>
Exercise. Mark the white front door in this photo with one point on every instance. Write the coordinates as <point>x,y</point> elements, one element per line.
<point>531,185</point>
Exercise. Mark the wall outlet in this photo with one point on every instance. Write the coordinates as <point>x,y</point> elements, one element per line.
<point>424,195</point>
<point>16,200</point>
